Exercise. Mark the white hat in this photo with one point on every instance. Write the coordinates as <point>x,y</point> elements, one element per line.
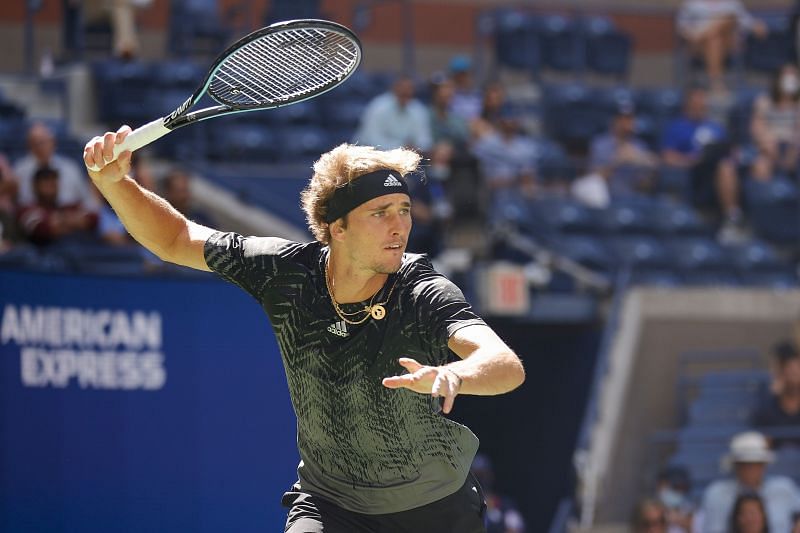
<point>749,447</point>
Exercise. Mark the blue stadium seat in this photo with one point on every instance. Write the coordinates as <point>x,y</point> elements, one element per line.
<point>719,412</point>
<point>608,50</point>
<point>589,251</point>
<point>552,161</point>
<point>566,215</point>
<point>303,143</point>
<point>178,75</point>
<point>517,41</point>
<point>656,277</point>
<point>676,219</point>
<point>307,112</point>
<point>629,217</point>
<point>773,279</point>
<point>639,251</point>
<point>696,254</point>
<point>574,114</point>
<point>242,142</point>
<point>197,26</point>
<point>562,46</point>
<point>122,87</point>
<point>768,54</point>
<point>774,209</point>
<point>755,256</point>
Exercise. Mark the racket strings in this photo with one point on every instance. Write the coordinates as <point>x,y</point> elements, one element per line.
<point>283,66</point>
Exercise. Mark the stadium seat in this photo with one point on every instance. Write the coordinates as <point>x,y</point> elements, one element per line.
<point>676,219</point>
<point>608,50</point>
<point>197,27</point>
<point>701,261</point>
<point>774,209</point>
<point>589,251</point>
<point>303,143</point>
<point>566,215</point>
<point>768,54</point>
<point>574,114</point>
<point>242,142</point>
<point>517,41</point>
<point>562,47</point>
<point>627,216</point>
<point>639,251</point>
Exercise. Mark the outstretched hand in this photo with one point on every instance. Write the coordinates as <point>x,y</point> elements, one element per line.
<point>434,380</point>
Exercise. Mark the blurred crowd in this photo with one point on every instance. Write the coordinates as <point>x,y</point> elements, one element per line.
<point>47,200</point>
<point>757,489</point>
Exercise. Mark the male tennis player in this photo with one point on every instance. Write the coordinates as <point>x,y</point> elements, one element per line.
<point>350,310</point>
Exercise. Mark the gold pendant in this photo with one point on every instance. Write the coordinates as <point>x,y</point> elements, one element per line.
<point>377,311</point>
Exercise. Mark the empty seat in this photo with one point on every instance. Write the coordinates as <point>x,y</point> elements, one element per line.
<point>608,50</point>
<point>517,41</point>
<point>242,142</point>
<point>637,251</point>
<point>630,217</point>
<point>562,47</point>
<point>774,208</point>
<point>771,52</point>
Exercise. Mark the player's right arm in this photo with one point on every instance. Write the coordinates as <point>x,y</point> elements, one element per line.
<point>150,219</point>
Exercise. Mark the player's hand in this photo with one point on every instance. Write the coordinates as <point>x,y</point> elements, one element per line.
<point>100,150</point>
<point>434,380</point>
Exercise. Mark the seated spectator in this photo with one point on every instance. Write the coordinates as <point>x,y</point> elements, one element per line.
<point>781,407</point>
<point>649,517</point>
<point>749,456</point>
<point>122,16</point>
<point>775,125</point>
<point>492,105</point>
<point>8,204</point>
<point>713,29</point>
<point>673,490</point>
<point>507,157</point>
<point>396,119</point>
<point>45,221</point>
<point>73,188</point>
<point>699,145</point>
<point>749,515</point>
<point>501,514</point>
<point>466,102</point>
<point>620,163</point>
<point>450,131</point>
<point>178,192</point>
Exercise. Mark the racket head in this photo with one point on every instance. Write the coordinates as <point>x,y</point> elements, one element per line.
<point>282,64</point>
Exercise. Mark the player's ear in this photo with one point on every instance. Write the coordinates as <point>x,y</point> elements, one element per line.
<point>337,229</point>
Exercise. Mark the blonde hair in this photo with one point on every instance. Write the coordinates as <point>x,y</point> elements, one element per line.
<point>344,163</point>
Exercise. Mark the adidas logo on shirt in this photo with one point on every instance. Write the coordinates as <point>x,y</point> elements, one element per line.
<point>391,181</point>
<point>339,328</point>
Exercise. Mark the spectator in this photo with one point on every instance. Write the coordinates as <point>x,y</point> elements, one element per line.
<point>673,489</point>
<point>122,14</point>
<point>619,162</point>
<point>73,187</point>
<point>650,517</point>
<point>466,100</point>
<point>492,105</point>
<point>177,191</point>
<point>749,515</point>
<point>507,156</point>
<point>396,119</point>
<point>699,145</point>
<point>712,29</point>
<point>749,456</point>
<point>781,407</point>
<point>450,131</point>
<point>44,221</point>
<point>501,514</point>
<point>775,125</point>
<point>8,196</point>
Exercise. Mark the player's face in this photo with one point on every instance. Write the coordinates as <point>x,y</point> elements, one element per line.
<point>377,232</point>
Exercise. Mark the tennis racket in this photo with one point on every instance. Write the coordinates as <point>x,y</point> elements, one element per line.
<point>282,64</point>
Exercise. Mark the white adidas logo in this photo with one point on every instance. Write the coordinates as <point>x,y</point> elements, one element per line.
<point>339,328</point>
<point>391,181</point>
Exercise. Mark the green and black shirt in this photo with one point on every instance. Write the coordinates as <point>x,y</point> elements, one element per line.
<point>363,446</point>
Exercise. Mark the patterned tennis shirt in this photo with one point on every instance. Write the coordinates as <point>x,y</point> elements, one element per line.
<point>363,446</point>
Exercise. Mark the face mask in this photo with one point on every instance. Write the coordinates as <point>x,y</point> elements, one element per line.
<point>671,499</point>
<point>790,84</point>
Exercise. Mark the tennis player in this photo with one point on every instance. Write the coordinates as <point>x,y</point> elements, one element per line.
<point>365,331</point>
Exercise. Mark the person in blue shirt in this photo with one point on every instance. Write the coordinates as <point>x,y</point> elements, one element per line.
<point>698,144</point>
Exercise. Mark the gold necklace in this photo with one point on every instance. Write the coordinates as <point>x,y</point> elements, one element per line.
<point>376,311</point>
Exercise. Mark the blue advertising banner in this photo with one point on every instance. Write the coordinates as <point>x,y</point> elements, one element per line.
<point>140,405</point>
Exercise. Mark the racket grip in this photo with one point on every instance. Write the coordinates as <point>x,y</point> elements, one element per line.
<point>141,136</point>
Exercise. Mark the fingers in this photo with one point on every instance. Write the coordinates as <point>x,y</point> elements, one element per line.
<point>397,382</point>
<point>445,385</point>
<point>409,364</point>
<point>99,151</point>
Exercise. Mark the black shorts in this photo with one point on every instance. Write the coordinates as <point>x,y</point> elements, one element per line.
<point>462,512</point>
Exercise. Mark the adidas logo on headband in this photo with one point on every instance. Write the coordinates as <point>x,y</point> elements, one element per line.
<point>391,181</point>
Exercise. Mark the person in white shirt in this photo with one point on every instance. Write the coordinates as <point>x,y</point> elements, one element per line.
<point>73,186</point>
<point>396,119</point>
<point>712,29</point>
<point>749,456</point>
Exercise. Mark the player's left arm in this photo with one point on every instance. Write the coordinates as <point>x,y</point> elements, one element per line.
<point>487,367</point>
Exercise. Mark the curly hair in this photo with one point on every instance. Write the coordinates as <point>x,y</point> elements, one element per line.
<point>344,163</point>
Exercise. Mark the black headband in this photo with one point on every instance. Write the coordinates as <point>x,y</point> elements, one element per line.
<point>362,189</point>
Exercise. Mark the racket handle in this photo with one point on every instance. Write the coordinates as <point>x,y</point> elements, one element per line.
<point>141,136</point>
